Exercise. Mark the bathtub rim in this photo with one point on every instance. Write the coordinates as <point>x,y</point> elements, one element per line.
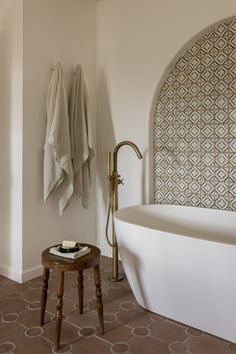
<point>207,239</point>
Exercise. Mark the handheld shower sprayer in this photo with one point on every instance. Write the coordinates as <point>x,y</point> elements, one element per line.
<point>114,181</point>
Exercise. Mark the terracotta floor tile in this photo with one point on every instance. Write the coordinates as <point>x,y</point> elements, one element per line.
<point>3,295</point>
<point>157,317</point>
<point>120,294</point>
<point>141,345</point>
<point>33,332</point>
<point>129,329</point>
<point>193,332</point>
<point>91,304</point>
<point>87,331</point>
<point>232,346</point>
<point>167,331</point>
<point>127,305</point>
<point>31,294</point>
<point>110,306</point>
<point>34,305</point>
<point>30,318</point>
<point>11,332</point>
<point>141,331</point>
<point>10,317</point>
<point>36,345</point>
<point>115,332</point>
<point>105,261</point>
<point>70,293</point>
<point>207,344</point>
<point>87,319</point>
<point>69,333</point>
<point>109,317</point>
<point>38,279</point>
<point>11,286</point>
<point>13,305</point>
<point>14,295</point>
<point>120,347</point>
<point>89,292</point>
<point>134,317</point>
<point>91,345</point>
<point>88,284</point>
<point>68,305</point>
<point>178,347</point>
<point>36,284</point>
<point>7,347</point>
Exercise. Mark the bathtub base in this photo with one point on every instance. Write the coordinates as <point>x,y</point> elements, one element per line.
<point>189,280</point>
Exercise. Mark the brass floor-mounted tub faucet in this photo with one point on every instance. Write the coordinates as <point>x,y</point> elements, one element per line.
<point>114,181</point>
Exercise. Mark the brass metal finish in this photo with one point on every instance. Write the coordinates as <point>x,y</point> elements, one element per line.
<point>136,149</point>
<point>116,279</point>
<point>114,181</point>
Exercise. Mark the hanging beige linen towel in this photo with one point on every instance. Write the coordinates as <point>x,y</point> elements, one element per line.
<point>57,153</point>
<point>80,137</point>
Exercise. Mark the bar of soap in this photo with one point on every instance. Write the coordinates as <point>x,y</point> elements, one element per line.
<point>68,244</point>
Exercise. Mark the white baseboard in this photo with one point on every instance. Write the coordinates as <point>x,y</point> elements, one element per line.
<point>10,273</point>
<point>32,273</point>
<point>105,252</point>
<point>21,277</point>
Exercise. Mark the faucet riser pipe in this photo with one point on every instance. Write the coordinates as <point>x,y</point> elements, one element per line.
<point>115,258</point>
<point>115,181</point>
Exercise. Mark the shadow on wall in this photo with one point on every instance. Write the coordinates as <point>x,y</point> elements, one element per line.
<point>106,136</point>
<point>152,114</point>
<point>146,166</point>
<point>5,153</point>
<point>151,136</point>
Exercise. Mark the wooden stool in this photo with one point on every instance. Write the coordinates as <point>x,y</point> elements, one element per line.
<point>62,265</point>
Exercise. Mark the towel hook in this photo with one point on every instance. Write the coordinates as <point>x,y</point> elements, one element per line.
<point>53,70</point>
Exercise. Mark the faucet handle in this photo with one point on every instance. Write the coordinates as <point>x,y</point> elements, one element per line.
<point>121,181</point>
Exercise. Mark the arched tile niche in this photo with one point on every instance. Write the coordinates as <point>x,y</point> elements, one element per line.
<point>195,124</point>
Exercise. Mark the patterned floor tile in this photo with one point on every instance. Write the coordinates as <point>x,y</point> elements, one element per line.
<point>207,344</point>
<point>88,319</point>
<point>116,332</point>
<point>91,345</point>
<point>69,333</point>
<point>36,345</point>
<point>168,331</point>
<point>68,305</point>
<point>134,318</point>
<point>150,345</point>
<point>13,305</point>
<point>129,329</point>
<point>30,318</point>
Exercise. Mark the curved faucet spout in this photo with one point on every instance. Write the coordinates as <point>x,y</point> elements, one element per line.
<point>126,142</point>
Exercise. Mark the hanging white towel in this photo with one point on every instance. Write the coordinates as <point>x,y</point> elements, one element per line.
<point>57,152</point>
<point>80,136</point>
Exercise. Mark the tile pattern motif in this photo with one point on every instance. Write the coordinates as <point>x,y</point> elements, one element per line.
<point>195,125</point>
<point>129,329</point>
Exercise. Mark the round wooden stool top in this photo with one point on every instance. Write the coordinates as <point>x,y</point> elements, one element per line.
<point>51,261</point>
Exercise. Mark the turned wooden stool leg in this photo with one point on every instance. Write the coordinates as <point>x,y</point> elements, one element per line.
<point>97,280</point>
<point>81,291</point>
<point>60,290</point>
<point>44,295</point>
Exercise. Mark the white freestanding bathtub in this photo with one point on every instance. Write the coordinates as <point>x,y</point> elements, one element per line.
<point>181,263</point>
